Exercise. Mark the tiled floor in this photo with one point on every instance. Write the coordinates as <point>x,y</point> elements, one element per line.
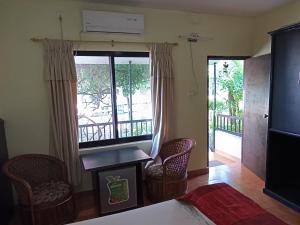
<point>228,143</point>
<point>247,183</point>
<point>232,173</point>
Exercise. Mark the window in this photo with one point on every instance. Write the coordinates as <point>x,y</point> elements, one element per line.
<point>113,97</point>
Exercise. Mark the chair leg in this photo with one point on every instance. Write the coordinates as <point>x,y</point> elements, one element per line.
<point>75,209</point>
<point>163,188</point>
<point>33,215</point>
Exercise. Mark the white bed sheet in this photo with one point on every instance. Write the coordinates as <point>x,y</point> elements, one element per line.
<point>170,212</point>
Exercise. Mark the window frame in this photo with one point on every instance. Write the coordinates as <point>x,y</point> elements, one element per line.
<point>116,139</point>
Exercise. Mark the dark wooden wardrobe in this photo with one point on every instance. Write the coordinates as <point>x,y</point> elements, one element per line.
<point>6,199</point>
<point>283,152</point>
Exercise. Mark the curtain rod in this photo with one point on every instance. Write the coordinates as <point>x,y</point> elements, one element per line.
<point>112,42</point>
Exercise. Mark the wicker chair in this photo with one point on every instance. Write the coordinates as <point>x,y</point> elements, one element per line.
<point>169,179</point>
<point>44,194</point>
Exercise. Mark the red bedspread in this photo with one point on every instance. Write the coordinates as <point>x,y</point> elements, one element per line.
<point>225,206</point>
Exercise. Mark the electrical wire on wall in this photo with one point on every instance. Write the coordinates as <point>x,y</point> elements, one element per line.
<point>61,29</point>
<point>194,38</point>
<point>196,90</point>
<point>60,19</point>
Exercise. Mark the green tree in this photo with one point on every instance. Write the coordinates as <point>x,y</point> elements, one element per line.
<point>94,81</point>
<point>221,106</point>
<point>130,78</point>
<point>139,75</point>
<point>230,80</point>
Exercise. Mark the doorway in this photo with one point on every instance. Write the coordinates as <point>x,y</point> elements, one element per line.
<point>226,109</point>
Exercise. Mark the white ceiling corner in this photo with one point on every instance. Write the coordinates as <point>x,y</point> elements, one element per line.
<point>227,7</point>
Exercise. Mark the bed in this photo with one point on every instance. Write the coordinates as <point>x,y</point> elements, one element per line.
<point>216,204</point>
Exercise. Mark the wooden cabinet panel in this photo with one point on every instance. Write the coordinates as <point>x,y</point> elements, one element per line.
<point>6,200</point>
<point>283,153</point>
<point>286,87</point>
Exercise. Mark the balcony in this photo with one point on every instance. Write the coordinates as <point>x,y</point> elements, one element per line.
<point>226,135</point>
<point>105,131</point>
<point>230,124</point>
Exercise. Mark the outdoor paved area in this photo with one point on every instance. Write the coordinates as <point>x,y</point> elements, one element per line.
<point>229,144</point>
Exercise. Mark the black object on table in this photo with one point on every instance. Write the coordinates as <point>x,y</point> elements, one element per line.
<point>116,160</point>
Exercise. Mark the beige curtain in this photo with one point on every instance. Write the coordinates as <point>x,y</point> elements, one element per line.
<point>162,94</point>
<point>60,74</point>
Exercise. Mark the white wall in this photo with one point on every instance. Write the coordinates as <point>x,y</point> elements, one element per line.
<point>273,20</point>
<point>23,99</point>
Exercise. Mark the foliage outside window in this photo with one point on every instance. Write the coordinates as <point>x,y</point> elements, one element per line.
<point>226,102</point>
<point>114,97</point>
<point>229,82</point>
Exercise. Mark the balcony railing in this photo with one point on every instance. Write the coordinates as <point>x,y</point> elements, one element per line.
<point>230,124</point>
<point>105,131</point>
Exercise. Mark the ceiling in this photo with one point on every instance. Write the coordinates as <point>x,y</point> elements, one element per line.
<point>227,7</point>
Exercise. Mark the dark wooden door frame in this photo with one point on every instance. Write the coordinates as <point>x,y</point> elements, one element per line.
<point>215,57</point>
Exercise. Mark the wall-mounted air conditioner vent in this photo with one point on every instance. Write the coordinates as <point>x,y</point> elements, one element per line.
<point>111,22</point>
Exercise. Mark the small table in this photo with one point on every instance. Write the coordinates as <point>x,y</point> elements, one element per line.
<point>105,165</point>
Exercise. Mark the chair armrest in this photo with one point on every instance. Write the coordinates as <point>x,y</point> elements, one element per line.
<point>59,169</point>
<point>171,159</point>
<point>22,187</point>
<point>63,168</point>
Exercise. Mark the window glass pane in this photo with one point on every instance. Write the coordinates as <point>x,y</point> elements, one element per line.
<point>94,98</point>
<point>133,96</point>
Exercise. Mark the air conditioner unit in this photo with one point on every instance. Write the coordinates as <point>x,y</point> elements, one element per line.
<point>112,22</point>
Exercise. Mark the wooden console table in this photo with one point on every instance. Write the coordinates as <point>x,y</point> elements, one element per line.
<point>113,161</point>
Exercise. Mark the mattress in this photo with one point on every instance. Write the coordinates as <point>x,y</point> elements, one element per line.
<point>171,212</point>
